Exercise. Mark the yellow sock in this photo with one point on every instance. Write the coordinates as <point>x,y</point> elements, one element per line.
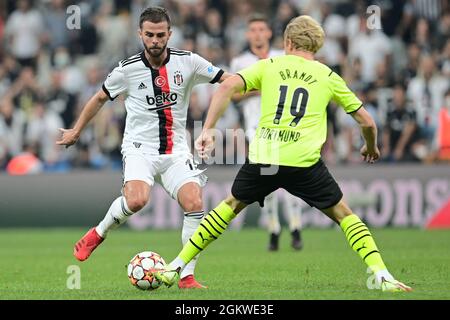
<point>361,241</point>
<point>209,230</point>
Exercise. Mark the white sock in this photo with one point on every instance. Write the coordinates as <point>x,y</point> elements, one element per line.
<point>270,209</point>
<point>117,214</point>
<point>379,275</point>
<point>177,263</point>
<point>294,211</point>
<point>190,224</point>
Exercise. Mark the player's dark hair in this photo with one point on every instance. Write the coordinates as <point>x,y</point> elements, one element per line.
<point>155,15</point>
<point>258,17</point>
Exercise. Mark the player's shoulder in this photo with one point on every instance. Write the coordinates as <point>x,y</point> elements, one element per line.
<point>132,60</point>
<point>181,58</point>
<point>322,68</point>
<point>178,52</point>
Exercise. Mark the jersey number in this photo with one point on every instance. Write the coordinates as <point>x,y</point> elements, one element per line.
<point>298,113</point>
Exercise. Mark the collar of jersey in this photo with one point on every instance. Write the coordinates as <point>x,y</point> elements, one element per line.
<point>148,65</point>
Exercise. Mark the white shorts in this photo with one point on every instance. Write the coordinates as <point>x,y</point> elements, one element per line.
<point>171,171</point>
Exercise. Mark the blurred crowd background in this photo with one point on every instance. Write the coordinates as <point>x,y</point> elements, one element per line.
<point>400,71</point>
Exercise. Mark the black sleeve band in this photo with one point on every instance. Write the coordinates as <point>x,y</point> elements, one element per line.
<point>245,83</point>
<point>218,76</point>
<point>107,93</point>
<point>355,110</point>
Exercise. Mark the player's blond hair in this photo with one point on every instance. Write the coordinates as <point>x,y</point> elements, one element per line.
<point>305,33</point>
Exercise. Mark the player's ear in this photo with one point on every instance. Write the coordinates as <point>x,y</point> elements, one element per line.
<point>140,33</point>
<point>287,44</point>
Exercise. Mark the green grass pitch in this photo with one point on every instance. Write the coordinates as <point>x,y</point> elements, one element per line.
<point>34,264</point>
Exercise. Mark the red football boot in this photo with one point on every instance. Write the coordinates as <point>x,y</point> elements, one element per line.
<point>84,247</point>
<point>189,282</point>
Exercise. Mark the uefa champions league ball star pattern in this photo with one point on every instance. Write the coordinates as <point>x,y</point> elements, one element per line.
<point>141,268</point>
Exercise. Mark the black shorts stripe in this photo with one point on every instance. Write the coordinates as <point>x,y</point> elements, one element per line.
<point>195,245</point>
<point>204,227</point>
<point>219,217</point>
<point>206,219</point>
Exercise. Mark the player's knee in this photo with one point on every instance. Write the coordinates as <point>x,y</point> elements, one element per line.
<point>192,204</point>
<point>136,203</point>
<point>235,204</point>
<point>338,212</point>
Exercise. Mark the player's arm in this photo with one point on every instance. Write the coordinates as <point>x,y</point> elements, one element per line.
<point>225,76</point>
<point>114,85</point>
<point>221,99</point>
<point>219,104</point>
<point>70,136</point>
<point>353,106</point>
<point>368,127</point>
<point>239,97</point>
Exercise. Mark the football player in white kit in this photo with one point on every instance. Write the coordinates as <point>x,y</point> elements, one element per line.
<point>258,36</point>
<point>157,84</point>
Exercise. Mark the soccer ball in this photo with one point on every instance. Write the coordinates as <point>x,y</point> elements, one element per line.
<point>141,267</point>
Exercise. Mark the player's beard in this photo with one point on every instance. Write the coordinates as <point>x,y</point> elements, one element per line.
<point>155,52</point>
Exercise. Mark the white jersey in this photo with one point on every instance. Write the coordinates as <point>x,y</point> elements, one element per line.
<point>251,107</point>
<point>157,100</point>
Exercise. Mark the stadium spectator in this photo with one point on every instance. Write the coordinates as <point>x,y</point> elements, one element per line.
<point>56,33</point>
<point>24,33</point>
<point>42,132</point>
<point>400,128</point>
<point>443,140</point>
<point>12,126</point>
<point>371,47</point>
<point>414,35</point>
<point>25,91</point>
<point>60,101</point>
<point>426,91</point>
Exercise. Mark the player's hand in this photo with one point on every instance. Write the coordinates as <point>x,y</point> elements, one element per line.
<point>370,155</point>
<point>204,144</point>
<point>69,137</point>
